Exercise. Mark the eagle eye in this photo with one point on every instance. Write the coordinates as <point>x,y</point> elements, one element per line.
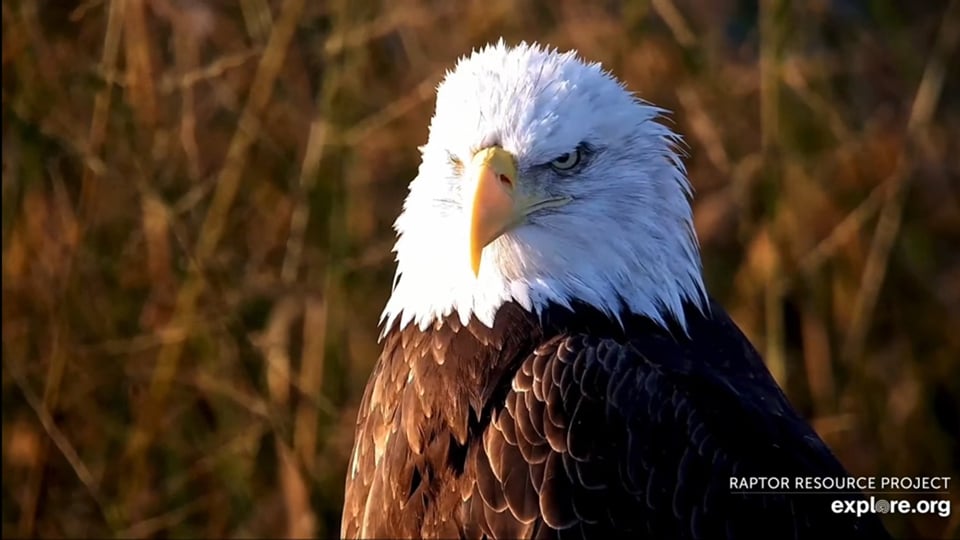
<point>567,161</point>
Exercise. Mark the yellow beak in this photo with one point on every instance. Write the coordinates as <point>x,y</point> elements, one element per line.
<point>493,212</point>
<point>501,201</point>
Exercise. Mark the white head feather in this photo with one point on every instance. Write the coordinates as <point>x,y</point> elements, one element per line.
<point>625,241</point>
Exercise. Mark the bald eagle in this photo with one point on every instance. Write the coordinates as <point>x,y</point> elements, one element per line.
<point>552,365</point>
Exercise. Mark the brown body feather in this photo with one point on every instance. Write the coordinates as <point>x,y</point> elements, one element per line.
<point>571,425</point>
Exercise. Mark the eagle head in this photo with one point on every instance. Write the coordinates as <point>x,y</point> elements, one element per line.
<point>544,180</point>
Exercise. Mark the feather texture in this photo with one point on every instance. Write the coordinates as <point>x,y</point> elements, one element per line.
<point>619,430</point>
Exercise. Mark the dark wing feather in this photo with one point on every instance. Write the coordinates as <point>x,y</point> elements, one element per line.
<point>475,432</point>
<point>618,437</point>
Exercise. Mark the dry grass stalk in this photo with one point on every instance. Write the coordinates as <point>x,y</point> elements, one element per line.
<point>211,231</point>
<point>921,114</point>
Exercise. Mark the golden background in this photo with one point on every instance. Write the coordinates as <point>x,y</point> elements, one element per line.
<point>197,200</point>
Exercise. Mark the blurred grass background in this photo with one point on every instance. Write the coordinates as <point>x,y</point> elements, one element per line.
<point>197,200</point>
